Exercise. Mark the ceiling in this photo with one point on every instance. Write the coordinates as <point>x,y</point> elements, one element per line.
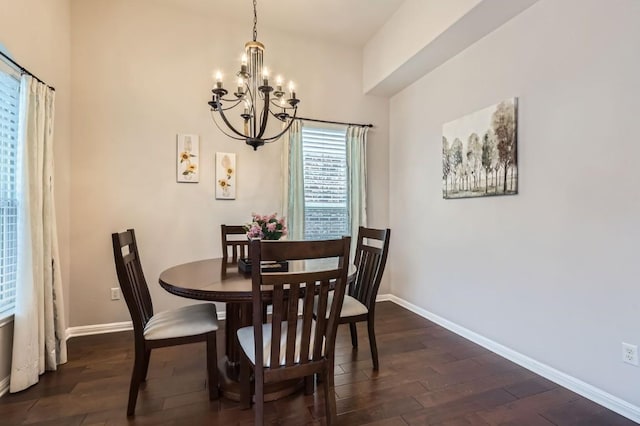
<point>350,22</point>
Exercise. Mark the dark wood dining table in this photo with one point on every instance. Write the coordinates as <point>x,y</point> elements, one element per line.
<point>213,281</point>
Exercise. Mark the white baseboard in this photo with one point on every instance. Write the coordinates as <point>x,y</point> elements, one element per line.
<point>4,385</point>
<point>88,330</point>
<point>114,327</point>
<point>385,298</point>
<point>597,395</point>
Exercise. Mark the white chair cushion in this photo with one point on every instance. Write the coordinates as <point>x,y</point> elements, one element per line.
<point>246,339</point>
<point>186,321</point>
<point>351,307</point>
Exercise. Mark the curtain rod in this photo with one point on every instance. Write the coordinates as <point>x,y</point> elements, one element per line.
<point>333,122</point>
<point>23,70</point>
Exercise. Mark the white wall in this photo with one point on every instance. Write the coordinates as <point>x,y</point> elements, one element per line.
<point>421,21</point>
<point>142,73</point>
<point>36,33</point>
<point>432,32</point>
<point>551,272</point>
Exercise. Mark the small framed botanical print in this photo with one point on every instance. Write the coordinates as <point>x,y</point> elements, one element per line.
<point>188,158</point>
<point>225,176</point>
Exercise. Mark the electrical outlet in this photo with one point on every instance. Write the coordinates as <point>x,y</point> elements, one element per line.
<point>115,293</point>
<point>630,353</point>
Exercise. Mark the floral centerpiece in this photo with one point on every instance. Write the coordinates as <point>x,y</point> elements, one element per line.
<point>266,227</point>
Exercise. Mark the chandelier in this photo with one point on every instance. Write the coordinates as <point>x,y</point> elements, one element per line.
<point>254,98</point>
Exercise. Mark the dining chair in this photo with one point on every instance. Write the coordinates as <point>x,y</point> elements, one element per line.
<point>293,345</point>
<point>360,302</point>
<point>188,324</point>
<point>233,248</point>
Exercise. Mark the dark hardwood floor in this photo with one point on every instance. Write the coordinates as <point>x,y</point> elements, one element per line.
<point>427,375</point>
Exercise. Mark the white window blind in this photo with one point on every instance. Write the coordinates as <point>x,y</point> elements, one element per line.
<point>326,211</point>
<point>9,109</point>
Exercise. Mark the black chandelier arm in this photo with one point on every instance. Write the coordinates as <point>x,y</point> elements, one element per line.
<point>213,117</point>
<point>224,118</point>
<point>278,105</point>
<point>276,137</point>
<point>274,115</point>
<point>237,101</point>
<point>265,116</point>
<point>244,138</point>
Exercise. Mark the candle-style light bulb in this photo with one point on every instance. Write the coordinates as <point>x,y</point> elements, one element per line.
<point>246,117</point>
<point>292,90</point>
<point>243,64</point>
<point>240,85</point>
<point>279,83</point>
<point>218,79</point>
<point>265,76</point>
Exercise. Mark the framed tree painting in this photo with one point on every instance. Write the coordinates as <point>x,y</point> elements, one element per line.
<point>479,153</point>
<point>188,158</point>
<point>225,176</point>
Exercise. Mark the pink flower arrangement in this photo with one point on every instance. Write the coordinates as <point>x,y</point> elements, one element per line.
<point>267,227</point>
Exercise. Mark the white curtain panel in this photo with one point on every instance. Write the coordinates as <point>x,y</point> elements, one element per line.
<point>293,197</point>
<point>39,325</point>
<point>357,163</point>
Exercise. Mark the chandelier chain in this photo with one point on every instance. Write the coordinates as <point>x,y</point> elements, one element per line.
<point>255,20</point>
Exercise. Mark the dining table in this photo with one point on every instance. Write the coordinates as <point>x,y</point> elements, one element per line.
<point>214,280</point>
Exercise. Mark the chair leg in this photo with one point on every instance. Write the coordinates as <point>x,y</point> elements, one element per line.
<point>372,342</point>
<point>212,367</point>
<point>259,398</point>
<point>308,385</point>
<point>136,378</point>
<point>354,334</point>
<point>145,368</point>
<point>245,382</point>
<point>330,396</point>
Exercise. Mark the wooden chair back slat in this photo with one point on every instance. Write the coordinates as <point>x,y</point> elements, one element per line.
<point>292,322</point>
<point>307,322</point>
<point>370,261</point>
<point>368,266</point>
<point>233,249</point>
<point>284,290</point>
<point>136,293</point>
<point>125,239</point>
<point>131,278</point>
<point>321,320</point>
<point>276,324</point>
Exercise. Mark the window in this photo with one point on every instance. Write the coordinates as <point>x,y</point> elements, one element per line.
<point>9,109</point>
<point>326,208</point>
